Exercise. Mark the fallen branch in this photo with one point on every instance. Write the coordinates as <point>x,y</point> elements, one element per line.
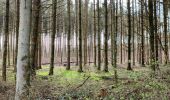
<point>83,83</point>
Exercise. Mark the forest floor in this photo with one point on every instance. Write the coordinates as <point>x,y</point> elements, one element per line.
<point>139,84</point>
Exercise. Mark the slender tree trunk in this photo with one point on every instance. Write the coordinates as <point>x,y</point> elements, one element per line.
<point>142,37</point>
<point>51,72</point>
<point>68,36</point>
<point>94,33</point>
<point>77,54</point>
<point>121,48</point>
<point>115,35</point>
<point>160,35</point>
<point>85,30</point>
<point>133,38</point>
<point>152,36</point>
<point>106,38</point>
<point>34,37</point>
<point>99,38</point>
<point>80,40</point>
<point>6,33</point>
<point>112,30</point>
<point>129,36</point>
<point>165,7</point>
<point>156,35</point>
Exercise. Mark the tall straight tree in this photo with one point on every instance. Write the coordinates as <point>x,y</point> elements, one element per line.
<point>94,32</point>
<point>156,34</point>
<point>116,32</point>
<point>51,72</point>
<point>6,33</point>
<point>165,8</point>
<point>121,29</point>
<point>106,38</point>
<point>76,26</point>
<point>152,35</point>
<point>99,38</point>
<point>35,34</point>
<point>114,37</point>
<point>113,33</point>
<point>133,37</point>
<point>142,30</point>
<point>17,33</point>
<point>68,35</point>
<point>129,35</point>
<point>80,40</point>
<point>112,30</point>
<point>85,32</point>
<point>23,68</point>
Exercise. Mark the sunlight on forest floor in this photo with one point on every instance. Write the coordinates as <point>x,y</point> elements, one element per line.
<point>136,84</point>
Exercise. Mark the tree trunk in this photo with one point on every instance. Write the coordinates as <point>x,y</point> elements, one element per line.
<point>80,40</point>
<point>51,72</point>
<point>23,68</point>
<point>112,30</point>
<point>99,38</point>
<point>94,1</point>
<point>152,36</point>
<point>156,35</point>
<point>34,37</point>
<point>133,38</point>
<point>106,38</point>
<point>6,33</point>
<point>142,37</point>
<point>165,7</point>
<point>121,48</point>
<point>68,36</point>
<point>129,36</point>
<point>85,30</point>
<point>77,55</point>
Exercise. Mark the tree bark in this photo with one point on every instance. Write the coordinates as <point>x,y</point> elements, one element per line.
<point>129,36</point>
<point>165,7</point>
<point>35,35</point>
<point>106,38</point>
<point>152,35</point>
<point>142,37</point>
<point>99,38</point>
<point>68,36</point>
<point>23,68</point>
<point>77,54</point>
<point>156,34</point>
<point>6,33</point>
<point>94,32</point>
<point>51,72</point>
<point>80,40</point>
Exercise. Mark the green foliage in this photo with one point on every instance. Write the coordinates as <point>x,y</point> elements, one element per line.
<point>135,75</point>
<point>132,85</point>
<point>71,75</point>
<point>156,85</point>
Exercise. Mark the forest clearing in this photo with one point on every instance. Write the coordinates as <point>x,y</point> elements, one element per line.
<point>84,50</point>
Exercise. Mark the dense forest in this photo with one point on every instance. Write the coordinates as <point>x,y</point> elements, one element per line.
<point>84,50</point>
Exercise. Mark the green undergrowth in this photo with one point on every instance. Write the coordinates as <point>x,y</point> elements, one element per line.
<point>132,85</point>
<point>91,84</point>
<point>71,76</point>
